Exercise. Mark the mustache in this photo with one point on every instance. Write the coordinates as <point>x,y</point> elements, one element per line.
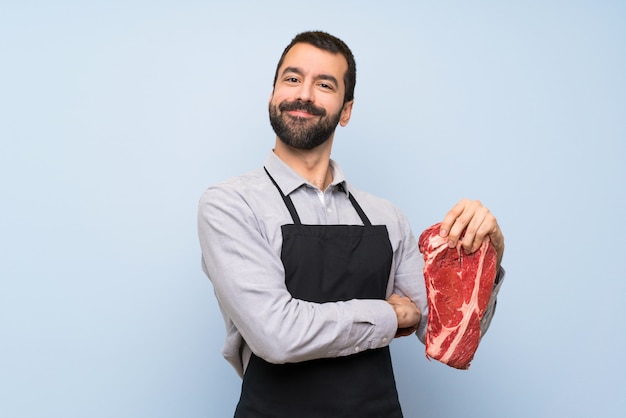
<point>300,105</point>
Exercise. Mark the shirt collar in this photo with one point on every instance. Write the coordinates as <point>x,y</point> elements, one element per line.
<point>288,180</point>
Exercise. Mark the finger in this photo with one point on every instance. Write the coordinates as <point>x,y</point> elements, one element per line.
<point>466,218</point>
<point>404,332</point>
<point>497,239</point>
<point>394,298</point>
<point>489,230</point>
<point>451,216</point>
<point>477,229</point>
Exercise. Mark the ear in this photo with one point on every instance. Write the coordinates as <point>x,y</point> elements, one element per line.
<point>346,112</point>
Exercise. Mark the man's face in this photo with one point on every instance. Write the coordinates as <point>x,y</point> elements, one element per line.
<point>307,101</point>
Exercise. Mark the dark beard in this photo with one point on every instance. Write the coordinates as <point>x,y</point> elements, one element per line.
<point>302,133</point>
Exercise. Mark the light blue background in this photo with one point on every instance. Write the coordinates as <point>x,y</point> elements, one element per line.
<point>115,116</point>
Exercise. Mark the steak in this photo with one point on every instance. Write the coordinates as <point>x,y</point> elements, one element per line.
<point>458,286</point>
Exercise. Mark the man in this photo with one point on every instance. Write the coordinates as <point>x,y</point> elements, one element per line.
<point>313,277</point>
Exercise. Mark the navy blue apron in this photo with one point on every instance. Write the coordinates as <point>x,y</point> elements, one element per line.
<point>328,263</point>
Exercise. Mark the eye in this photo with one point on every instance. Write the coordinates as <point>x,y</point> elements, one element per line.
<point>326,86</point>
<point>292,80</point>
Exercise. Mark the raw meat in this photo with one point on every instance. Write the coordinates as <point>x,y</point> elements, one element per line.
<point>458,286</point>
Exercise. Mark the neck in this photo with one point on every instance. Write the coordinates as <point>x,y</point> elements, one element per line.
<point>313,165</point>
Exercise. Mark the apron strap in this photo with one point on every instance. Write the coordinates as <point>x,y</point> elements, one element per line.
<point>294,213</point>
<point>358,209</point>
<point>287,200</point>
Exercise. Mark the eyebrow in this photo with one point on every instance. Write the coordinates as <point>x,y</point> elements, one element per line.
<point>299,71</point>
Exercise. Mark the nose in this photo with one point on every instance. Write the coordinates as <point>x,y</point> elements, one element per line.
<point>305,92</point>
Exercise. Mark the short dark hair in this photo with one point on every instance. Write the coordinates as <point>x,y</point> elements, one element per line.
<point>330,43</point>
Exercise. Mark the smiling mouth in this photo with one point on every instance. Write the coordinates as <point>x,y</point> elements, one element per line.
<point>300,114</point>
<point>299,109</point>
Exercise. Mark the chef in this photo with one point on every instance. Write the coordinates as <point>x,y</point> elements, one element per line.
<point>314,277</point>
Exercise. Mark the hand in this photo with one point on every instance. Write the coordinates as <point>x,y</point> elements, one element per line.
<point>477,222</point>
<point>408,314</point>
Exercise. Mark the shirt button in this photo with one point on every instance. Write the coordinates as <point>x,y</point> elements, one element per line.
<point>329,210</point>
<point>356,349</point>
<point>384,339</point>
